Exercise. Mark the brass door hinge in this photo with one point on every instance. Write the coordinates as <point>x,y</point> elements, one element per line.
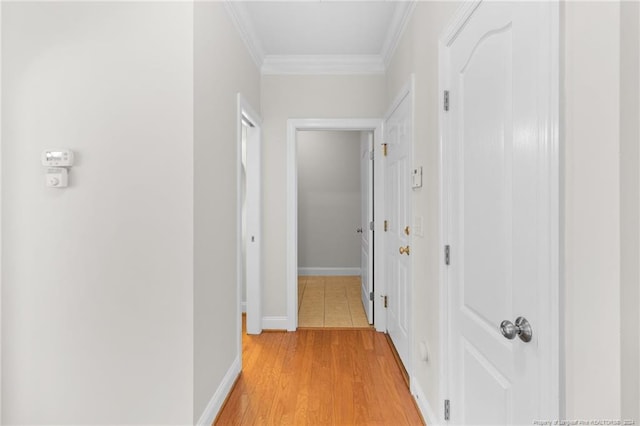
<point>384,149</point>
<point>386,301</point>
<point>386,225</point>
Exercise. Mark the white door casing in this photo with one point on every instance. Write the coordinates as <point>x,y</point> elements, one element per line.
<point>251,268</point>
<point>500,190</point>
<point>398,139</point>
<point>293,125</point>
<point>366,191</point>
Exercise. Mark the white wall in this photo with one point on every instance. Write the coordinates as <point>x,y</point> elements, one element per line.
<point>97,312</point>
<point>418,53</point>
<point>592,202</point>
<point>630,207</point>
<point>284,97</point>
<point>329,199</point>
<point>222,69</point>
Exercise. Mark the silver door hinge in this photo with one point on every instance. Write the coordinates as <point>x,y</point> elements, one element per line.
<point>371,226</point>
<point>447,409</point>
<point>371,296</point>
<point>447,255</point>
<point>371,154</point>
<point>446,100</point>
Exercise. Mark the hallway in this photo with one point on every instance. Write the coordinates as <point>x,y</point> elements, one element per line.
<point>312,377</point>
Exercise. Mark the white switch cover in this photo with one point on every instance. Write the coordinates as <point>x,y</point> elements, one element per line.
<point>417,226</point>
<point>416,178</point>
<point>57,177</point>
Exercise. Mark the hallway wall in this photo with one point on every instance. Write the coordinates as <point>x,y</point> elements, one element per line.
<point>300,96</point>
<point>590,107</point>
<point>630,207</point>
<point>97,313</point>
<point>418,53</point>
<point>216,304</point>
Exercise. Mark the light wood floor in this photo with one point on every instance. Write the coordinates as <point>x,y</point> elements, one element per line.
<point>330,301</point>
<point>319,377</point>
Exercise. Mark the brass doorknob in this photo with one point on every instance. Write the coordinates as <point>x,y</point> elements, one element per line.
<point>406,230</point>
<point>404,250</point>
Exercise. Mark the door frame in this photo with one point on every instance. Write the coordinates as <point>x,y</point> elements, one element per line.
<point>340,124</point>
<point>551,356</point>
<point>254,288</point>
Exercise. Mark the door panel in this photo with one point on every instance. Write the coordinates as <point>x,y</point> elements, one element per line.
<point>498,224</point>
<point>398,134</point>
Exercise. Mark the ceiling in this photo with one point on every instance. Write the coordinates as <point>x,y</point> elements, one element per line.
<point>320,37</point>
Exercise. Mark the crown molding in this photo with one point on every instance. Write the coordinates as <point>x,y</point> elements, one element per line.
<point>319,64</point>
<point>243,23</point>
<point>322,64</point>
<point>399,22</point>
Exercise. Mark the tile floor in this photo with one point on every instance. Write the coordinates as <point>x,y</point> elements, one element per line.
<point>330,301</point>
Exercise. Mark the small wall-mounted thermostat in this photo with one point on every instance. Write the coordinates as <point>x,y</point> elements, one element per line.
<point>57,177</point>
<point>57,158</point>
<point>416,178</point>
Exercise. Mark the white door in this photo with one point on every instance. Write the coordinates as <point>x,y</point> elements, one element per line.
<point>366,191</point>
<point>501,213</point>
<point>397,239</point>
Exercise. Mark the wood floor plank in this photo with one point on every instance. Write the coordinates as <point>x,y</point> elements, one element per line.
<point>319,377</point>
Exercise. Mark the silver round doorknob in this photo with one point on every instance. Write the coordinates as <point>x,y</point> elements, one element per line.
<point>508,330</point>
<point>522,329</point>
<point>359,230</point>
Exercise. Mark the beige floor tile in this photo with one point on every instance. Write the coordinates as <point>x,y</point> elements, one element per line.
<point>340,321</point>
<point>330,302</point>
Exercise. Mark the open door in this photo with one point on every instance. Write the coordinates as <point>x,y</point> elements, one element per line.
<point>366,228</point>
<point>250,199</point>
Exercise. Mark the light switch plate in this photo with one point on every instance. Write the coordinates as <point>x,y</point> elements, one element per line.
<point>416,178</point>
<point>418,226</point>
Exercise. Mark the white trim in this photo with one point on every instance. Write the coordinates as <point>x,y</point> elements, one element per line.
<point>293,125</point>
<point>275,323</point>
<point>428,414</point>
<point>399,22</point>
<point>319,64</point>
<point>237,11</point>
<point>456,24</point>
<point>322,64</point>
<point>1,243</point>
<point>217,400</point>
<point>243,307</point>
<point>554,367</point>
<point>380,316</point>
<point>305,271</point>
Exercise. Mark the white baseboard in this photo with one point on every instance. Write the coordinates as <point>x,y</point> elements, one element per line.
<point>430,417</point>
<point>328,271</point>
<point>215,404</point>
<point>275,323</point>
<point>243,305</point>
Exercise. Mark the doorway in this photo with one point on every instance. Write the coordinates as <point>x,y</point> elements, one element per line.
<point>294,126</point>
<point>334,182</point>
<point>249,207</point>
